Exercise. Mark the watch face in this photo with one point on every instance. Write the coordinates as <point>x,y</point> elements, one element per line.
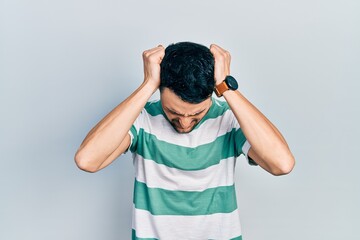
<point>231,82</point>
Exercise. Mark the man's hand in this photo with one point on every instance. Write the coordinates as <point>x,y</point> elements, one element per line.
<point>152,59</point>
<point>268,147</point>
<point>222,63</point>
<point>101,146</point>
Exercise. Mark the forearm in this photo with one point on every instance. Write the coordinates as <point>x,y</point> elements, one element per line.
<point>271,150</point>
<point>106,137</point>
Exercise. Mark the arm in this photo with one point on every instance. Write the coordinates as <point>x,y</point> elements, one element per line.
<point>268,147</point>
<point>101,146</point>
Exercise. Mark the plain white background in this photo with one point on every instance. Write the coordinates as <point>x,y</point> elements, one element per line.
<point>65,64</point>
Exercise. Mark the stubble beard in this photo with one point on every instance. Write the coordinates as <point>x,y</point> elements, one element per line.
<point>180,130</point>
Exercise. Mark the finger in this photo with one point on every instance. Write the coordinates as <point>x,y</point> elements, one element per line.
<point>156,49</point>
<point>155,56</point>
<point>153,51</point>
<point>214,49</point>
<point>213,46</point>
<point>217,49</point>
<point>220,54</point>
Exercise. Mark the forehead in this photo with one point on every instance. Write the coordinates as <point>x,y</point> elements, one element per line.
<point>173,102</point>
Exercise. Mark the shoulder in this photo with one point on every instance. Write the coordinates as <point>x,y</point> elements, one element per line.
<point>218,109</point>
<point>220,105</point>
<point>152,114</point>
<point>153,108</point>
<point>221,111</point>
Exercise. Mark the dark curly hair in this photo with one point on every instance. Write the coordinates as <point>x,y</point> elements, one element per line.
<point>188,70</point>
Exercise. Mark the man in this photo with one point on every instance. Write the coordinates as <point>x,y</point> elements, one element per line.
<point>185,144</point>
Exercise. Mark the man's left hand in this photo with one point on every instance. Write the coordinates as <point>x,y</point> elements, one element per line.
<point>222,63</point>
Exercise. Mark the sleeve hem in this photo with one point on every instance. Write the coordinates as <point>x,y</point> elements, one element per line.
<point>131,141</point>
<point>245,149</point>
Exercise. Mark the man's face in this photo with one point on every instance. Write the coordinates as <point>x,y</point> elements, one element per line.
<point>183,116</point>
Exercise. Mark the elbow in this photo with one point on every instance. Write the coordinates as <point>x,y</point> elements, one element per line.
<point>284,167</point>
<point>84,163</point>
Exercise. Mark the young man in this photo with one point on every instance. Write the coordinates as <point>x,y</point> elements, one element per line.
<point>185,145</point>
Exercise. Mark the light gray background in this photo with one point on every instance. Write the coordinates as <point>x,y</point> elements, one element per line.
<point>65,64</point>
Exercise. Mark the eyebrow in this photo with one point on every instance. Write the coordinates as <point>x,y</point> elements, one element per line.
<point>189,115</point>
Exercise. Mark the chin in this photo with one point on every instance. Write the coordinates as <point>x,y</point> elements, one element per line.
<point>182,130</point>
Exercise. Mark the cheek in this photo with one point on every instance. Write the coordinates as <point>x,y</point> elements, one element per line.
<point>174,120</point>
<point>170,117</point>
<point>196,120</point>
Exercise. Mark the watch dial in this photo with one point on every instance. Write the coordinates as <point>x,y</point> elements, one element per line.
<point>231,82</point>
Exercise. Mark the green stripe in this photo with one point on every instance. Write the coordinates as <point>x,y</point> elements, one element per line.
<point>187,158</point>
<point>217,109</point>
<point>154,108</point>
<point>165,202</point>
<point>237,238</point>
<point>134,237</point>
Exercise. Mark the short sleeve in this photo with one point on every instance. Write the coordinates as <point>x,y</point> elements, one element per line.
<point>134,132</point>
<point>245,149</point>
<point>242,145</point>
<point>133,138</point>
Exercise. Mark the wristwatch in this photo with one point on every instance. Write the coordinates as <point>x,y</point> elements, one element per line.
<point>229,83</point>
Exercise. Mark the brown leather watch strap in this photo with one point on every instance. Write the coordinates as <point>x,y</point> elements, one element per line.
<point>221,88</point>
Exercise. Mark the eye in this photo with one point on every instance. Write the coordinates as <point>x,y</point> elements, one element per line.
<point>175,113</point>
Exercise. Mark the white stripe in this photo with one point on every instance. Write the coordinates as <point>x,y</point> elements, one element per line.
<point>160,176</point>
<point>219,226</point>
<point>245,149</point>
<point>207,132</point>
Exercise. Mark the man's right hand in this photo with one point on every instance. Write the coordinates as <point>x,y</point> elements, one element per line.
<point>101,146</point>
<point>152,59</point>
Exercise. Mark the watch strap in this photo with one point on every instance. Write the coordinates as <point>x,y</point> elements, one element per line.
<point>221,88</point>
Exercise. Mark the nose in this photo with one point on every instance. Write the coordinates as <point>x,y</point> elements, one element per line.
<point>185,122</point>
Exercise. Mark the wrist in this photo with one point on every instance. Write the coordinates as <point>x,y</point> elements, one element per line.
<point>229,83</point>
<point>151,84</point>
<point>229,94</point>
<point>218,82</point>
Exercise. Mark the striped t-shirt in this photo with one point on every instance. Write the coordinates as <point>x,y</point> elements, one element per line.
<point>184,183</point>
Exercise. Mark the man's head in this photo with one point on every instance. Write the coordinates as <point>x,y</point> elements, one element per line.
<point>188,70</point>
<point>187,83</point>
